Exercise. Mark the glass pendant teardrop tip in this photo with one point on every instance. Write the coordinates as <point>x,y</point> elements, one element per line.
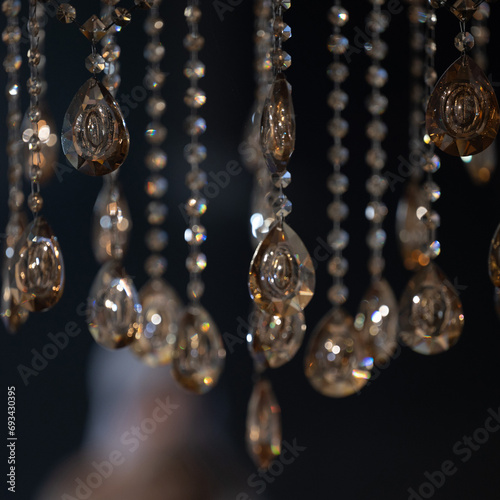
<point>462,116</point>
<point>94,136</point>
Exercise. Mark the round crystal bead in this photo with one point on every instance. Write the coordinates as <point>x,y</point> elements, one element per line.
<point>338,16</point>
<point>338,183</point>
<point>464,41</point>
<point>338,267</point>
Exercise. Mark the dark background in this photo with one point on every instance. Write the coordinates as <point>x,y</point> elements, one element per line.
<point>374,445</point>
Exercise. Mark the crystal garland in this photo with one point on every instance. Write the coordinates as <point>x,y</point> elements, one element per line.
<point>160,303</point>
<point>199,354</point>
<point>431,318</point>
<point>13,315</point>
<point>333,364</point>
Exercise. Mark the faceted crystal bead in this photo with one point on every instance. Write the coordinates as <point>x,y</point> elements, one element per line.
<point>38,267</point>
<point>337,211</point>
<point>153,25</point>
<point>275,339</point>
<point>196,206</point>
<point>114,312</point>
<point>338,44</point>
<point>94,137</point>
<point>263,426</point>
<point>155,133</point>
<point>282,206</point>
<point>199,351</point>
<point>193,42</point>
<point>110,203</point>
<point>192,14</point>
<point>338,267</point>
<point>377,104</point>
<point>494,258</point>
<point>376,76</point>
<point>196,262</point>
<point>156,106</point>
<point>376,130</point>
<point>195,98</point>
<point>156,159</point>
<point>377,321</point>
<point>334,364</point>
<point>376,185</point>
<point>281,29</point>
<point>156,186</point>
<point>338,294</point>
<point>156,239</point>
<point>338,155</point>
<point>154,79</point>
<point>431,318</point>
<point>338,239</point>
<point>160,309</point>
<point>111,52</point>
<point>196,180</point>
<point>338,16</point>
<point>95,63</point>
<point>93,29</point>
<point>121,16</point>
<point>377,50</point>
<point>281,180</point>
<point>338,72</point>
<point>432,164</point>
<point>155,265</point>
<point>195,125</point>
<point>338,127</point>
<point>281,277</point>
<point>277,131</point>
<point>66,13</point>
<point>462,9</point>
<point>195,153</point>
<point>156,212</point>
<point>144,4</point>
<point>337,100</point>
<point>432,190</point>
<point>462,115</point>
<point>195,235</point>
<point>194,69</point>
<point>376,211</point>
<point>430,77</point>
<point>11,35</point>
<point>338,183</point>
<point>464,41</point>
<point>154,52</point>
<point>375,239</point>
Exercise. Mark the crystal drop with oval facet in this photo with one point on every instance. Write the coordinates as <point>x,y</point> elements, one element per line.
<point>281,278</point>
<point>199,353</point>
<point>335,363</point>
<point>494,258</point>
<point>114,313</point>
<point>38,267</point>
<point>276,340</point>
<point>412,232</point>
<point>160,309</point>
<point>277,131</point>
<point>110,203</point>
<point>263,433</point>
<point>94,136</point>
<point>462,116</point>
<point>377,321</point>
<point>430,313</point>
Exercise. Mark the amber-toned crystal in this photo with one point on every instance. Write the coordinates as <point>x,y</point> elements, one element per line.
<point>463,9</point>
<point>263,435</point>
<point>431,318</point>
<point>199,351</point>
<point>94,137</point>
<point>38,267</point>
<point>160,308</point>
<point>494,258</point>
<point>277,339</point>
<point>335,364</point>
<point>13,314</point>
<point>281,278</point>
<point>277,132</point>
<point>114,313</point>
<point>462,115</point>
<point>93,29</point>
<point>110,203</point>
<point>377,321</point>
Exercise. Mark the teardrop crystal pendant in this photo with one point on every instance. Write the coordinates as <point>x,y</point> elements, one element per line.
<point>411,231</point>
<point>462,115</point>
<point>277,132</point>
<point>281,278</point>
<point>38,267</point>
<point>494,258</point>
<point>276,340</point>
<point>462,9</point>
<point>114,313</point>
<point>263,434</point>
<point>94,136</point>
<point>334,363</point>
<point>431,318</point>
<point>160,309</point>
<point>377,322</point>
<point>199,351</point>
<point>110,203</point>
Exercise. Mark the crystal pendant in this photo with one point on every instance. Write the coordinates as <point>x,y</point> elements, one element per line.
<point>377,322</point>
<point>334,362</point>
<point>263,434</point>
<point>38,267</point>
<point>462,9</point>
<point>94,136</point>
<point>462,115</point>
<point>199,351</point>
<point>411,231</point>
<point>114,312</point>
<point>160,309</point>
<point>281,277</point>
<point>430,318</point>
<point>481,166</point>
<point>277,132</point>
<point>494,258</point>
<point>276,340</point>
<point>110,203</point>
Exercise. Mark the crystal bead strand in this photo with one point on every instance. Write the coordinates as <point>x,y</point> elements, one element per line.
<point>429,290</point>
<point>332,362</point>
<point>38,266</point>
<point>160,303</point>
<point>199,354</point>
<point>13,315</point>
<point>377,317</point>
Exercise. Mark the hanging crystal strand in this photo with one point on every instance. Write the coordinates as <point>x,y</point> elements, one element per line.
<point>114,313</point>
<point>160,303</point>
<point>332,362</point>
<point>377,317</point>
<point>13,315</point>
<point>482,165</point>
<point>410,231</point>
<point>198,357</point>
<point>431,318</point>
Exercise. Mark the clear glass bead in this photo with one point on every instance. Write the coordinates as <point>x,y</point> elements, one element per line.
<point>376,185</point>
<point>464,41</point>
<point>111,52</point>
<point>338,183</point>
<point>154,79</point>
<point>377,22</point>
<point>338,72</point>
<point>281,59</point>
<point>34,86</point>
<point>337,211</point>
<point>195,153</point>
<point>281,179</point>
<point>193,42</point>
<point>377,104</point>
<point>154,52</point>
<point>376,158</point>
<point>338,99</point>
<point>121,16</point>
<point>376,265</point>
<point>156,106</point>
<point>338,127</point>
<point>432,190</point>
<point>156,212</point>
<point>156,186</point>
<point>192,14</point>
<point>195,98</point>
<point>338,267</point>
<point>377,50</point>
<point>195,125</point>
<point>338,239</point>
<point>194,69</point>
<point>196,262</point>
<point>196,180</point>
<point>432,164</point>
<point>376,239</point>
<point>338,155</point>
<point>156,239</point>
<point>153,25</point>
<point>12,62</point>
<point>196,206</point>
<point>195,235</point>
<point>11,35</point>
<point>95,63</point>
<point>376,76</point>
<point>282,206</point>
<point>376,211</point>
<point>338,294</point>
<point>156,159</point>
<point>195,290</point>
<point>376,130</point>
<point>35,202</point>
<point>155,265</point>
<point>155,133</point>
<point>338,44</point>
<point>338,16</point>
